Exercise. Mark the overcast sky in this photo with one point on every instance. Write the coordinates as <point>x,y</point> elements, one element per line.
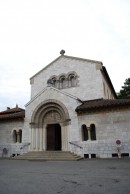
<point>32,33</point>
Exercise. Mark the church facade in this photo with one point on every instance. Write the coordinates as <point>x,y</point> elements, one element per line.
<point>73,107</point>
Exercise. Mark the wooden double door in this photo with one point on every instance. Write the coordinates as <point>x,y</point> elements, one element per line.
<point>53,137</point>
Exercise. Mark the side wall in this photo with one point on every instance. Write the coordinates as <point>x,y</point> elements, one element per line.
<point>7,139</point>
<point>110,126</point>
<point>107,90</point>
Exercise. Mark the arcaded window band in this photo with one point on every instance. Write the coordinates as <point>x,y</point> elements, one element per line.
<point>63,81</point>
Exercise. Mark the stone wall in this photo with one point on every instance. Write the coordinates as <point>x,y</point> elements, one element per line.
<point>89,84</point>
<point>107,90</point>
<point>110,126</point>
<point>7,128</point>
<point>6,138</point>
<point>55,95</point>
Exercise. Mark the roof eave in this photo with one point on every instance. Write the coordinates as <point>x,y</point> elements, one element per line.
<point>105,73</point>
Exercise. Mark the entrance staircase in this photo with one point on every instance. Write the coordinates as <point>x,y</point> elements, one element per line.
<point>48,156</point>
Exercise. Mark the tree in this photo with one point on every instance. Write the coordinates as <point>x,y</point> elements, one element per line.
<point>125,91</point>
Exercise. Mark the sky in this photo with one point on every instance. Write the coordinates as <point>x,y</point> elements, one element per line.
<point>33,32</point>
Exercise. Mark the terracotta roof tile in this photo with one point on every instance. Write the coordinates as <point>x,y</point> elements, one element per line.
<point>12,114</point>
<point>12,110</point>
<point>102,104</point>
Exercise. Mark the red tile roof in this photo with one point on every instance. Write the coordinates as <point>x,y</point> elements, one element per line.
<point>102,104</point>
<point>14,113</point>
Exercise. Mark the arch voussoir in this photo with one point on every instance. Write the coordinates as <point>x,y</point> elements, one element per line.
<point>50,111</point>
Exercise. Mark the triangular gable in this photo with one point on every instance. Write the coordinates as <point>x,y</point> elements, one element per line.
<point>65,56</point>
<point>103,69</point>
<point>55,89</point>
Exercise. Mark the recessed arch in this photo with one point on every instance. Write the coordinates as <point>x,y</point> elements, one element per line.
<point>72,73</point>
<point>52,81</point>
<point>57,110</point>
<point>53,77</point>
<point>62,75</point>
<point>17,135</point>
<point>63,80</point>
<point>72,79</point>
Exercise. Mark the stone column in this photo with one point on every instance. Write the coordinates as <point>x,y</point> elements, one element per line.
<point>89,135</point>
<point>44,138</point>
<point>64,137</point>
<point>34,139</point>
<point>41,139</point>
<point>32,134</point>
<point>37,139</point>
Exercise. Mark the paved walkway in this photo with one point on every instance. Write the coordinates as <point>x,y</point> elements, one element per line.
<point>104,176</point>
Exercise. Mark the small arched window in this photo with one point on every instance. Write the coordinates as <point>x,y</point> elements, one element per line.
<point>14,136</point>
<point>92,132</point>
<point>17,136</point>
<point>54,83</point>
<point>63,83</point>
<point>72,81</point>
<point>49,83</point>
<point>84,133</point>
<point>20,136</point>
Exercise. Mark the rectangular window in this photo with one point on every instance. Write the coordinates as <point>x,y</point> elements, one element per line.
<point>93,155</point>
<point>114,155</point>
<point>125,155</point>
<point>86,155</point>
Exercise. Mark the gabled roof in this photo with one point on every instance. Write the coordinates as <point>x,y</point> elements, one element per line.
<point>103,69</point>
<point>102,104</point>
<point>12,113</point>
<point>69,57</point>
<point>55,89</point>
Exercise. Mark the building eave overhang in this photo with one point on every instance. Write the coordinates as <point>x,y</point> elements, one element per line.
<point>103,105</point>
<point>105,74</point>
<point>12,116</point>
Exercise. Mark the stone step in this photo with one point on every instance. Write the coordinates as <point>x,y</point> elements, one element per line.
<point>51,155</point>
<point>55,155</point>
<point>47,152</point>
<point>33,156</point>
<point>48,155</point>
<point>49,159</point>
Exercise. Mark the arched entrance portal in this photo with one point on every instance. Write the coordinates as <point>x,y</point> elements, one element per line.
<point>53,137</point>
<point>49,126</point>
